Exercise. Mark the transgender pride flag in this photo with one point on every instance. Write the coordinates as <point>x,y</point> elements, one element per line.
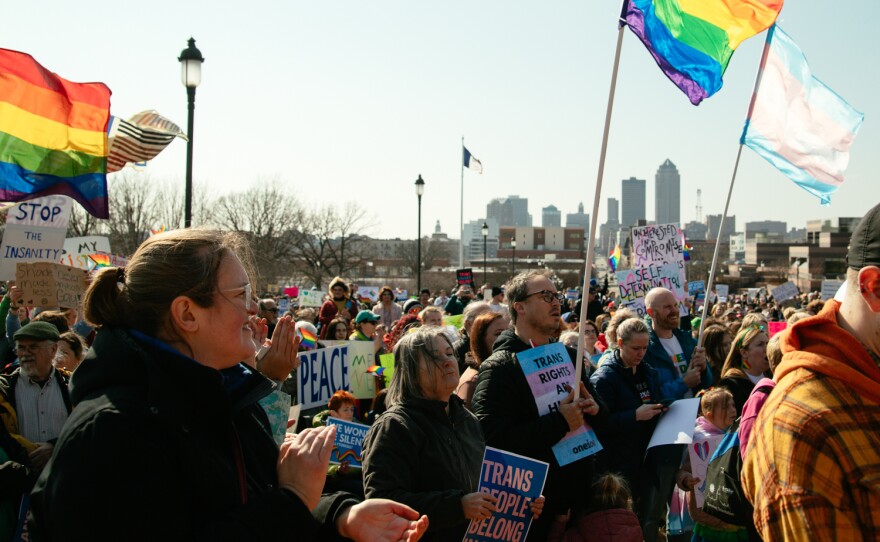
<point>797,123</point>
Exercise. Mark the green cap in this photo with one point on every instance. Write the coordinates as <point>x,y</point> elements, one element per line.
<point>41,331</point>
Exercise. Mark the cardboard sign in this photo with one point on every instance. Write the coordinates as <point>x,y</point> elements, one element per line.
<point>548,369</point>
<point>310,298</point>
<point>35,231</point>
<point>349,442</point>
<point>634,284</point>
<point>76,250</point>
<point>322,373</point>
<point>784,292</point>
<point>515,480</point>
<point>829,289</point>
<point>45,284</point>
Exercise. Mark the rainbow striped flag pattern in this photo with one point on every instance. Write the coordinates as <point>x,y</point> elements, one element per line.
<point>797,123</point>
<point>614,258</point>
<point>693,40</point>
<point>309,340</point>
<point>53,135</point>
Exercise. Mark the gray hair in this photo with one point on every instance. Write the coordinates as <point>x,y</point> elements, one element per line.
<point>408,352</point>
<point>567,336</point>
<point>470,313</point>
<point>630,327</point>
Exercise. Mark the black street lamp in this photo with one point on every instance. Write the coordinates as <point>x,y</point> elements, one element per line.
<point>513,257</point>
<point>420,189</point>
<point>191,75</point>
<point>485,231</point>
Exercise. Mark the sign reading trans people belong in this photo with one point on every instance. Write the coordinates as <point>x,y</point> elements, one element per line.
<point>515,481</point>
<point>548,369</point>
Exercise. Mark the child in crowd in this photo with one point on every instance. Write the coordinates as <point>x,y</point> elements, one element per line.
<point>717,413</point>
<point>610,517</point>
<point>342,477</point>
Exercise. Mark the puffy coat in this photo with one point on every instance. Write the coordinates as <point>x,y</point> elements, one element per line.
<point>418,455</point>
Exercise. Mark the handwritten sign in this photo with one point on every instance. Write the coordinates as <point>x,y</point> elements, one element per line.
<point>634,284</point>
<point>696,286</point>
<point>76,250</point>
<point>514,480</point>
<point>784,292</point>
<point>657,244</point>
<point>362,356</point>
<point>310,298</point>
<point>548,369</point>
<point>829,289</point>
<point>387,363</point>
<point>45,284</point>
<point>349,442</point>
<point>322,373</point>
<point>35,231</point>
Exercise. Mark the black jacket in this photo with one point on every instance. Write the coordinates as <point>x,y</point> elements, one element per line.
<point>740,387</point>
<point>418,455</point>
<point>625,440</point>
<point>505,405</point>
<point>160,447</point>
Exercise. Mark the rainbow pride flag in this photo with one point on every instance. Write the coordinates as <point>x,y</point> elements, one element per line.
<point>614,258</point>
<point>309,339</point>
<point>693,40</point>
<point>53,135</point>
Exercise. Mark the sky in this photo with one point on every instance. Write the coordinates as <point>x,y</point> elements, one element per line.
<point>347,100</point>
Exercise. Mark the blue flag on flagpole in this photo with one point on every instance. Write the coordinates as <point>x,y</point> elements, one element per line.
<point>471,162</point>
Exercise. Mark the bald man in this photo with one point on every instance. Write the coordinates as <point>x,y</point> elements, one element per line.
<point>682,369</point>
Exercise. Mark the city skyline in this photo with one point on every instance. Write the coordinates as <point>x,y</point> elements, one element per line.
<point>350,101</point>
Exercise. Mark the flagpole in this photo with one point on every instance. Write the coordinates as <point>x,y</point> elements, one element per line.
<point>461,212</point>
<point>591,242</point>
<point>711,282</point>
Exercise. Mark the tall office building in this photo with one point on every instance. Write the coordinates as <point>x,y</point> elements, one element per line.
<point>714,222</point>
<point>667,202</point>
<point>632,207</point>
<point>509,211</point>
<point>613,206</point>
<point>579,219</point>
<point>551,217</point>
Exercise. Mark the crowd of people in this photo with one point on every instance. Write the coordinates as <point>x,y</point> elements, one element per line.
<point>174,425</point>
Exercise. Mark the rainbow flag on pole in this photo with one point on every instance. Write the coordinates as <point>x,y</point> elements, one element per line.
<point>797,123</point>
<point>693,40</point>
<point>614,258</point>
<point>53,135</point>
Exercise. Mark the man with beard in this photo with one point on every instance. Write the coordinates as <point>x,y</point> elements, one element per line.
<point>505,405</point>
<point>681,366</point>
<point>35,393</point>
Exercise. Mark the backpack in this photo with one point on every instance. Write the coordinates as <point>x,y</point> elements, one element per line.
<point>725,498</point>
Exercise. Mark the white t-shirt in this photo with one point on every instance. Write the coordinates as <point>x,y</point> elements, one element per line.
<point>676,354</point>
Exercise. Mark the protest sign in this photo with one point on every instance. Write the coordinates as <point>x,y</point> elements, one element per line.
<point>386,361</point>
<point>784,292</point>
<point>515,481</point>
<point>465,276</point>
<point>454,321</point>
<point>283,305</point>
<point>35,231</point>
<point>829,289</point>
<point>310,298</point>
<point>548,369</point>
<point>76,250</point>
<point>676,425</point>
<point>775,327</point>
<point>572,294</point>
<point>400,295</point>
<point>634,284</point>
<point>349,442</point>
<point>321,373</point>
<point>722,290</point>
<point>368,293</point>
<point>291,291</point>
<point>696,286</point>
<point>45,284</point>
<point>362,355</point>
<point>657,244</point>
<point>700,453</point>
<point>104,259</point>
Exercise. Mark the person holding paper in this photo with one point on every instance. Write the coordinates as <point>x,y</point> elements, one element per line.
<point>426,450</point>
<point>505,404</point>
<point>167,440</point>
<point>631,390</point>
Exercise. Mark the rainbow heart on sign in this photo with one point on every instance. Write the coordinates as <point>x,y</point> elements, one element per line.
<point>702,449</point>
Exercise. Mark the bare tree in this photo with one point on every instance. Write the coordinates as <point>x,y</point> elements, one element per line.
<point>132,212</point>
<point>431,251</point>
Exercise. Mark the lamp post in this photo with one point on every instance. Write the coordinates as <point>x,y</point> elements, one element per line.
<point>485,231</point>
<point>513,257</point>
<point>191,75</point>
<point>420,189</point>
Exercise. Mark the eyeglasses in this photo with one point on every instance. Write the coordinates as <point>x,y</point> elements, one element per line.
<point>547,295</point>
<point>29,348</point>
<point>245,291</point>
<point>590,331</point>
